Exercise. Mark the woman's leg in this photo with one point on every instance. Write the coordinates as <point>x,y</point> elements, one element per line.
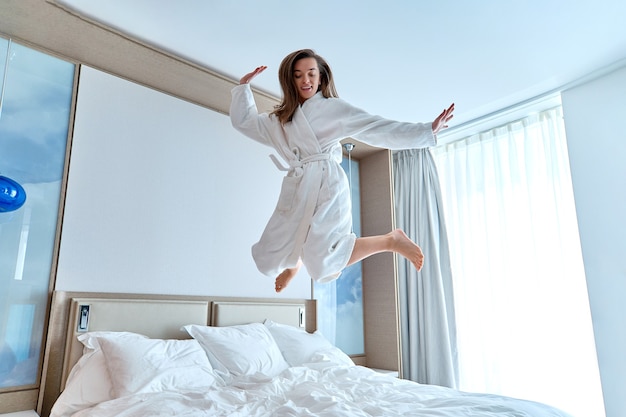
<point>396,241</point>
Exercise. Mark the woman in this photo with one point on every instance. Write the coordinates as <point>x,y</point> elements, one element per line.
<point>311,224</point>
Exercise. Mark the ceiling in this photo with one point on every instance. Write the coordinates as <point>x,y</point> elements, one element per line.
<point>403,59</point>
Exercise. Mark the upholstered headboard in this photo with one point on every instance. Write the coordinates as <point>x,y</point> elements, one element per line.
<point>155,316</point>
<point>158,319</point>
<point>230,313</point>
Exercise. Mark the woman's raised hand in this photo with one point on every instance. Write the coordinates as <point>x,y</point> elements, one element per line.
<point>442,120</point>
<point>249,76</point>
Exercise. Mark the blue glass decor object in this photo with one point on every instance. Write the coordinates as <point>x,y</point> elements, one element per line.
<point>12,195</point>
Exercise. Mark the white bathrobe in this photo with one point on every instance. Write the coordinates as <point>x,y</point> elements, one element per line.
<point>313,217</point>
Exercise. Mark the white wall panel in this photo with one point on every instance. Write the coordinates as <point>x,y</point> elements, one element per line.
<point>164,197</point>
<point>596,136</point>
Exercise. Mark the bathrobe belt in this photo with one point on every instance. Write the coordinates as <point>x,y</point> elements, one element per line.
<point>299,163</point>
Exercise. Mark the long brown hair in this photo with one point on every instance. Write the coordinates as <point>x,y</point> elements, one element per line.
<point>286,109</point>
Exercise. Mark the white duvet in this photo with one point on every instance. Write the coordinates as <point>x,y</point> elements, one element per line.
<point>330,391</point>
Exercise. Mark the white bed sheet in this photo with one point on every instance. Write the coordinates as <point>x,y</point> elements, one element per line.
<point>318,390</point>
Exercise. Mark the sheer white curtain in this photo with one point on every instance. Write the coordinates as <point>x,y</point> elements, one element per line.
<point>523,319</point>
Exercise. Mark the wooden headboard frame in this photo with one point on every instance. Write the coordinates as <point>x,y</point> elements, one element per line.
<point>133,312</point>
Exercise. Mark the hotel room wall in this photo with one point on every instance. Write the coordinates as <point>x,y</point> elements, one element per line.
<point>163,197</point>
<point>596,134</point>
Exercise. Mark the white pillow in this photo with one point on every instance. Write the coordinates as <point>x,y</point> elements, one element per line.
<point>331,356</point>
<point>240,350</point>
<point>88,383</point>
<point>155,365</point>
<point>299,346</point>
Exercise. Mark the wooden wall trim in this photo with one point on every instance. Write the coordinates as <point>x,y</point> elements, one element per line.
<point>11,402</point>
<point>382,348</point>
<point>45,25</point>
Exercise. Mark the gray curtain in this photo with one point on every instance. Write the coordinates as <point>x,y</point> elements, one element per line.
<point>428,329</point>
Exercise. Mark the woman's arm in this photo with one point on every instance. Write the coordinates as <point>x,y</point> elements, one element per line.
<point>244,115</point>
<point>385,133</point>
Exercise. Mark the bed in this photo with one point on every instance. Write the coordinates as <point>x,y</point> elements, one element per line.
<point>132,357</point>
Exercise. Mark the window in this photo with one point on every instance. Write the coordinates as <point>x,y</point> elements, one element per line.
<point>340,303</point>
<point>34,119</point>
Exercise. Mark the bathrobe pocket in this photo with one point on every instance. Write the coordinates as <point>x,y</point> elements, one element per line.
<point>288,193</point>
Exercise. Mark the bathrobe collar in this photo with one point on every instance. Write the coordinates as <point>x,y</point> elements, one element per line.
<point>316,97</point>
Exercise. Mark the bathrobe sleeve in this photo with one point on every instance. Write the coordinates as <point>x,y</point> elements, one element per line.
<point>378,131</point>
<point>245,117</point>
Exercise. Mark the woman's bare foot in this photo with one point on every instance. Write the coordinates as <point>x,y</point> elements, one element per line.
<point>407,248</point>
<point>286,276</point>
<point>395,241</point>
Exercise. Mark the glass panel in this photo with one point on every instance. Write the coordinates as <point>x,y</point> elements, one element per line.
<point>34,119</point>
<point>340,303</point>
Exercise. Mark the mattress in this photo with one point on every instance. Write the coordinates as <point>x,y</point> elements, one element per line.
<point>256,369</point>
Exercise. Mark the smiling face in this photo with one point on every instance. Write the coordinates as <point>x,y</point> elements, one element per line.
<point>306,77</point>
